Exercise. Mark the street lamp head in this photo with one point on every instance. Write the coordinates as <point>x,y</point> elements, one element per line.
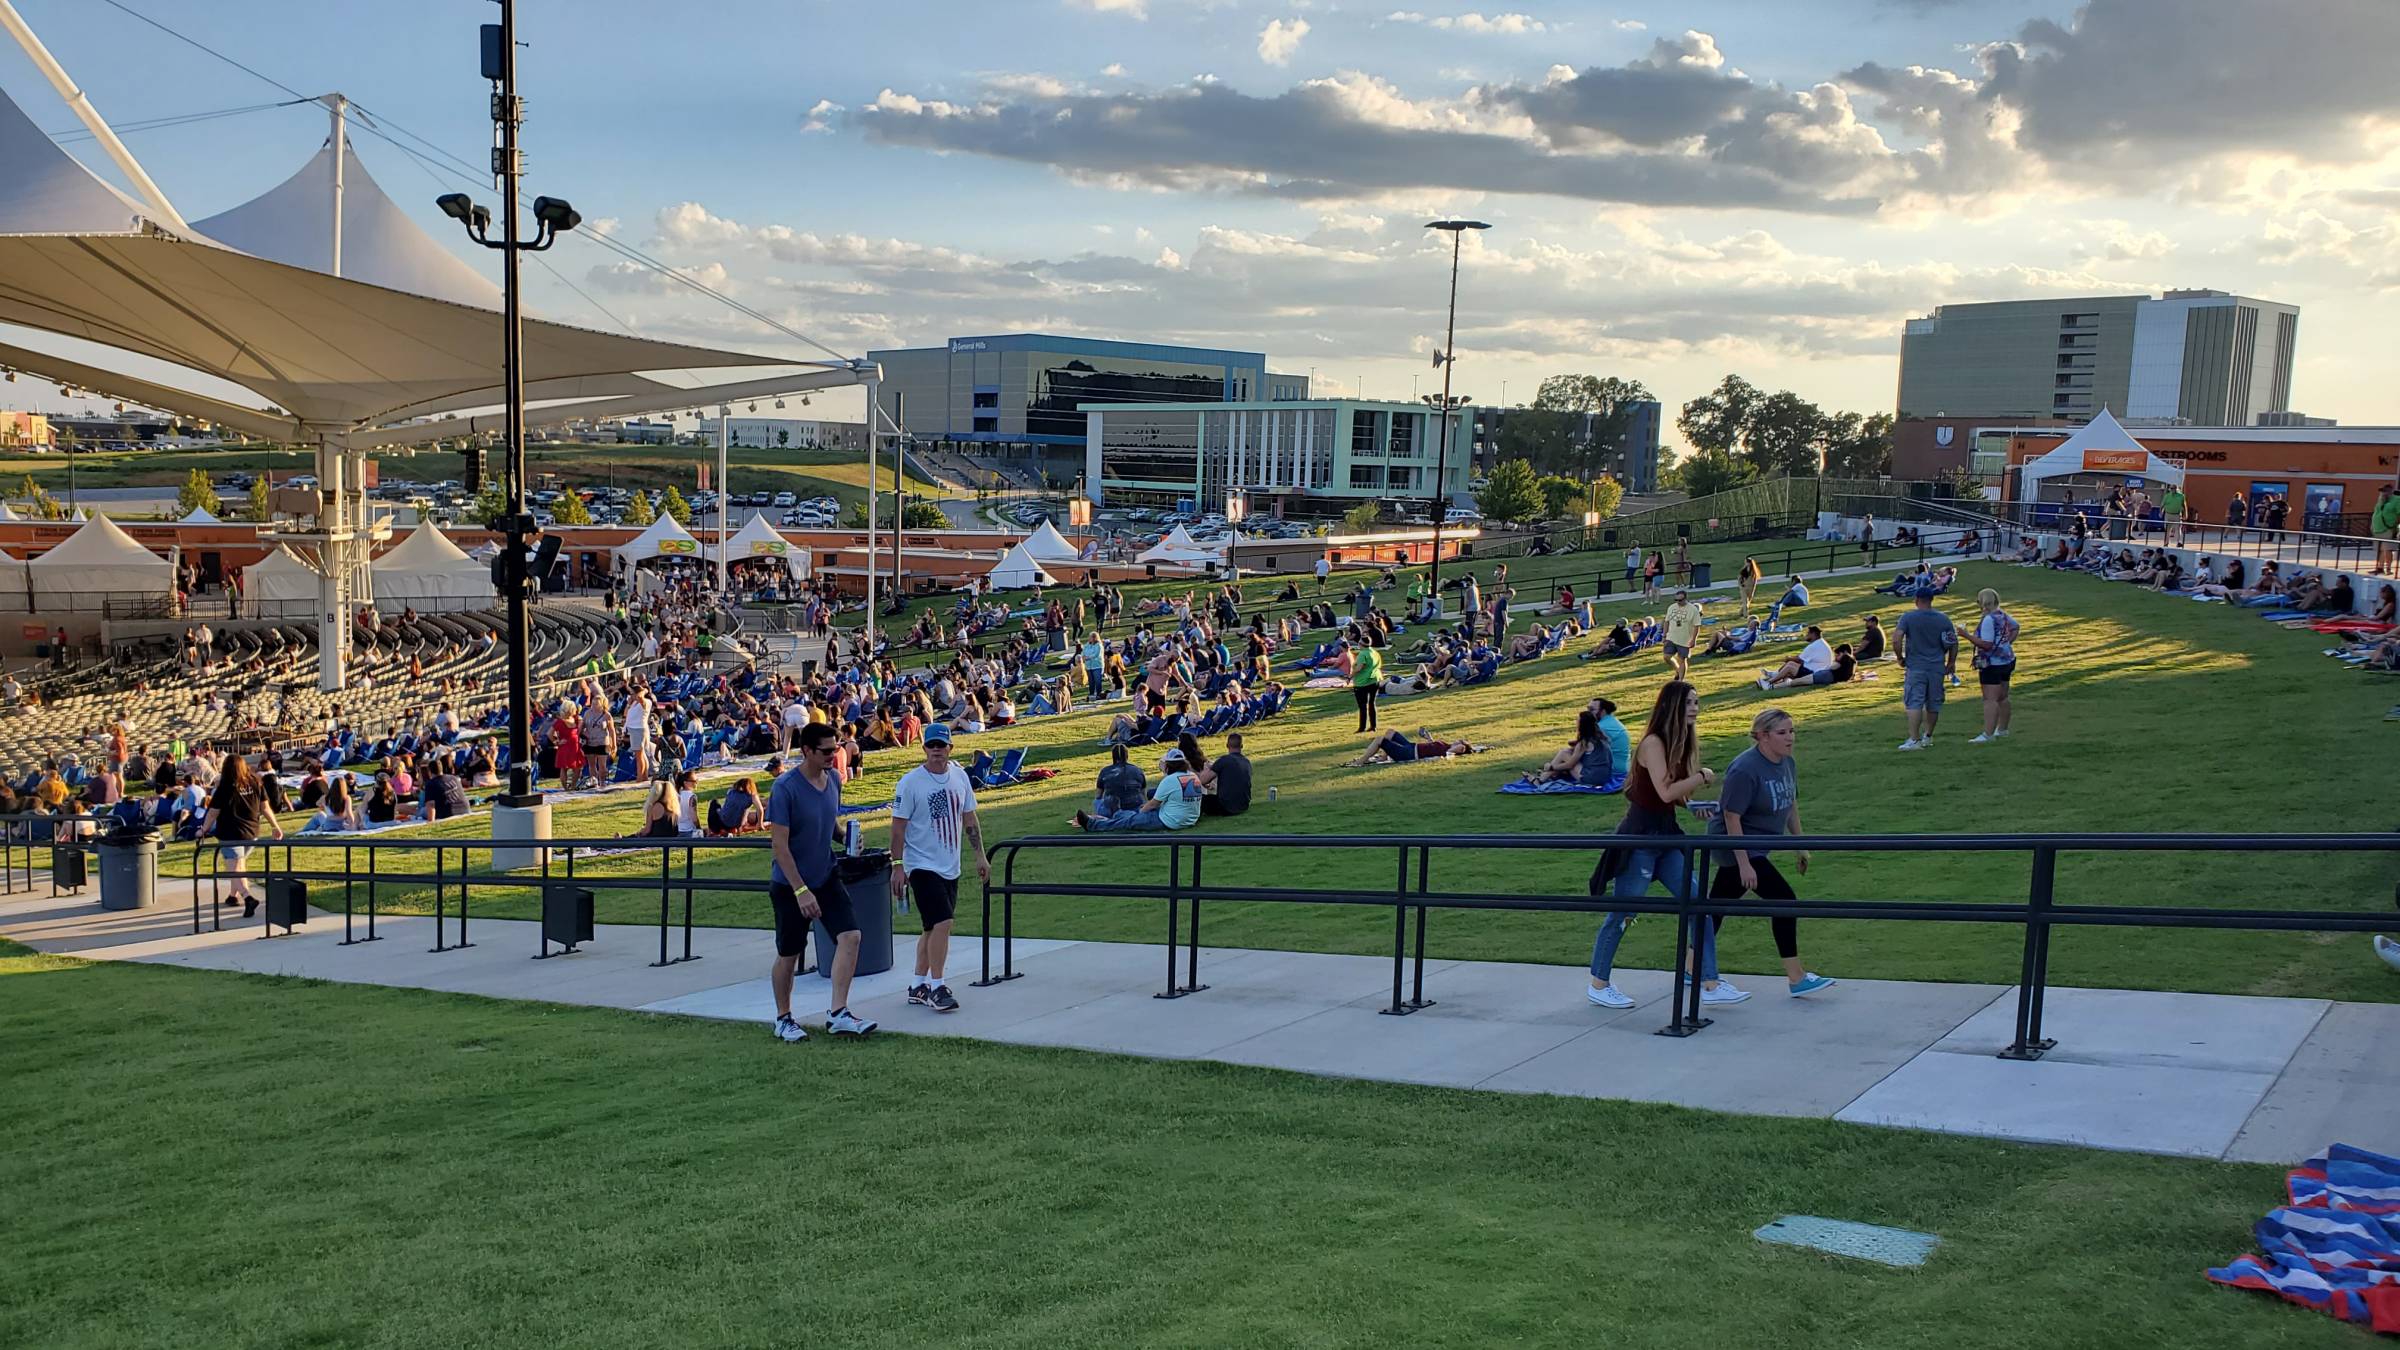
<point>455,205</point>
<point>556,213</point>
<point>1455,226</point>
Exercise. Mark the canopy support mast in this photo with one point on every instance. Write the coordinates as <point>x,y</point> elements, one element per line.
<point>90,117</point>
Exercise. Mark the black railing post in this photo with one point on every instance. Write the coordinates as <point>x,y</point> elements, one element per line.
<point>1399,1006</point>
<point>1416,991</point>
<point>1684,1017</point>
<point>347,939</point>
<point>466,865</point>
<point>440,895</point>
<point>1191,979</point>
<point>665,896</point>
<point>371,855</point>
<point>2029,1043</point>
<point>1174,896</point>
<point>687,903</point>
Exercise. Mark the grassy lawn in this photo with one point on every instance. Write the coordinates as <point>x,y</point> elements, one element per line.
<point>202,1159</point>
<point>2135,712</point>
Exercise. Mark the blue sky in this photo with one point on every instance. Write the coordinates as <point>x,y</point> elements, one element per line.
<point>1679,192</point>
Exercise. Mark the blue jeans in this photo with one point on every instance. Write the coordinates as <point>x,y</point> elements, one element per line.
<point>1129,820</point>
<point>1091,675</point>
<point>1641,867</point>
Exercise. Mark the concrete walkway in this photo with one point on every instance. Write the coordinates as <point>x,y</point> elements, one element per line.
<point>2200,1075</point>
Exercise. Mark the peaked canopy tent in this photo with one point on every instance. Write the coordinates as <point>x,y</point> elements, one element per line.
<point>758,541</point>
<point>2100,455</point>
<point>1180,548</point>
<point>664,539</point>
<point>282,578</point>
<point>8,513</point>
<point>1016,570</point>
<point>98,561</point>
<point>200,516</point>
<point>427,571</point>
<point>1049,545</point>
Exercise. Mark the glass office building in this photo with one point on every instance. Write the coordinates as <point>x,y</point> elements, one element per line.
<point>1308,458</point>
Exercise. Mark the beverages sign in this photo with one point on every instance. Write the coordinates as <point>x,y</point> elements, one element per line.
<point>686,547</point>
<point>2112,460</point>
<point>768,548</point>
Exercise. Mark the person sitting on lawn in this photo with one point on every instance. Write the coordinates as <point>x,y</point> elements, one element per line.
<point>2339,598</point>
<point>1619,642</point>
<point>1870,647</point>
<point>1734,641</point>
<point>1843,670</point>
<point>1816,656</point>
<point>1122,785</point>
<point>1795,596</point>
<point>1173,805</point>
<point>1395,748</point>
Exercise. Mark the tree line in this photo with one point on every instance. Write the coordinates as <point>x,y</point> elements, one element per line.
<point>1739,432</point>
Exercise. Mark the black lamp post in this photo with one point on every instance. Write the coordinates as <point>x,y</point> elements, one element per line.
<point>552,217</point>
<point>1446,358</point>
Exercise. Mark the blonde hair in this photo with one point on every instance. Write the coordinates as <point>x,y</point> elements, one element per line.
<point>1988,598</point>
<point>1767,721</point>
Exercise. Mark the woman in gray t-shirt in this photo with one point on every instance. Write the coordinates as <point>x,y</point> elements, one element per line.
<point>1761,796</point>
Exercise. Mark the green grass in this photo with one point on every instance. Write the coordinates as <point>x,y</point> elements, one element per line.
<point>204,1159</point>
<point>2135,712</point>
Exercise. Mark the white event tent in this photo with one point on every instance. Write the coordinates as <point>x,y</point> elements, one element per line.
<point>99,560</point>
<point>1049,545</point>
<point>280,577</point>
<point>758,540</point>
<point>200,516</point>
<point>1179,547</point>
<point>1016,570</point>
<point>2103,448</point>
<point>664,539</point>
<point>426,569</point>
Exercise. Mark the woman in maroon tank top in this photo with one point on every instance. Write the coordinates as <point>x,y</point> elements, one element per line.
<point>1666,772</point>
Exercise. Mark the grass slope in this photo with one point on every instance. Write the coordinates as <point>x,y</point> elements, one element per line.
<point>2135,712</point>
<point>206,1160</point>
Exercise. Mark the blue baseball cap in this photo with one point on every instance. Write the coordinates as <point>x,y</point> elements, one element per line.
<point>937,734</point>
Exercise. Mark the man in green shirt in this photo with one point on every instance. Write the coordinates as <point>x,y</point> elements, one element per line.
<point>2385,526</point>
<point>2171,504</point>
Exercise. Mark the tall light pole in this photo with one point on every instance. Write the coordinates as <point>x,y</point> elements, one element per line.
<point>552,217</point>
<point>724,499</point>
<point>1446,358</point>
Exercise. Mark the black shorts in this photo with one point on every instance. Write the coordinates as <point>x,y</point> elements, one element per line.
<point>936,896</point>
<point>1995,674</point>
<point>791,926</point>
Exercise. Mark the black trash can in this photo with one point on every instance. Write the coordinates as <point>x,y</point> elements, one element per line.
<point>868,878</point>
<point>129,868</point>
<point>1702,574</point>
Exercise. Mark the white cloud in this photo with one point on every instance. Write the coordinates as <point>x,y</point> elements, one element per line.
<point>819,120</point>
<point>1629,25</point>
<point>1493,25</point>
<point>1137,9</point>
<point>1279,39</point>
<point>1113,70</point>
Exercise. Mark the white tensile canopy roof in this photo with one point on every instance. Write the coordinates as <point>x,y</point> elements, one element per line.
<point>1016,570</point>
<point>759,540</point>
<point>8,514</point>
<point>100,558</point>
<point>281,575</point>
<point>2101,446</point>
<point>338,357</point>
<point>427,566</point>
<point>1049,545</point>
<point>292,222</point>
<point>199,516</point>
<point>664,539</point>
<point>1178,547</point>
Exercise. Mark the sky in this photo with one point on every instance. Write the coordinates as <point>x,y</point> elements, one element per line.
<point>1675,193</point>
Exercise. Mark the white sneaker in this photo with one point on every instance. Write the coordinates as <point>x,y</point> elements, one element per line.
<point>1724,991</point>
<point>847,1023</point>
<point>2388,950</point>
<point>789,1030</point>
<point>1981,740</point>
<point>1912,745</point>
<point>1607,996</point>
<point>2000,733</point>
<point>1765,683</point>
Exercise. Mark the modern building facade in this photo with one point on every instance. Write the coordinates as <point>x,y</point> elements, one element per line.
<point>1315,457</point>
<point>2203,357</point>
<point>1632,458</point>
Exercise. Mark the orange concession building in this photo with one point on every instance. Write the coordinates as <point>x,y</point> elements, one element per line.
<point>2330,476</point>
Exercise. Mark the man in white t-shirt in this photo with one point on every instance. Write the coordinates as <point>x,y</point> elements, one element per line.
<point>1683,622</point>
<point>795,716</point>
<point>1324,570</point>
<point>932,809</point>
<point>1816,656</point>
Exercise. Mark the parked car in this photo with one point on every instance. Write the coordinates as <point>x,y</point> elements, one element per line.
<point>787,499</point>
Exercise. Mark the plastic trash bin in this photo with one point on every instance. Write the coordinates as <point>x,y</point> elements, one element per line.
<point>129,869</point>
<point>1702,574</point>
<point>868,878</point>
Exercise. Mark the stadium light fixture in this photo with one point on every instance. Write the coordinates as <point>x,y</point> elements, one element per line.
<point>1445,359</point>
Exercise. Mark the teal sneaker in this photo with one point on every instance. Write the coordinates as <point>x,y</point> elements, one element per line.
<point>1811,983</point>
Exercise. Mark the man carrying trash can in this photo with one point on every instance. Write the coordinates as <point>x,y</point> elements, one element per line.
<point>803,885</point>
<point>931,809</point>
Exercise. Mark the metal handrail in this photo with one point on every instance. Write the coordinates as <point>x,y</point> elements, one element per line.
<point>2039,912</point>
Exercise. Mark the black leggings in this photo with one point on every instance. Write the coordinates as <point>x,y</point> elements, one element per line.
<point>1771,886</point>
<point>1365,694</point>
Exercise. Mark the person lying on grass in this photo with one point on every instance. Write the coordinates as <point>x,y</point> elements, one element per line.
<point>1842,671</point>
<point>1529,644</point>
<point>1395,748</point>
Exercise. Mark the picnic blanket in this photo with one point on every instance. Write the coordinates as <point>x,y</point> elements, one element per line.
<point>2336,1246</point>
<point>1526,788</point>
<point>1328,682</point>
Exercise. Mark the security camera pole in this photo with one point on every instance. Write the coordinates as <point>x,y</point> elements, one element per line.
<point>552,217</point>
<point>1446,358</point>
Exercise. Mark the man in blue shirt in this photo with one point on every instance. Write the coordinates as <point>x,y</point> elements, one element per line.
<point>803,885</point>
<point>1927,644</point>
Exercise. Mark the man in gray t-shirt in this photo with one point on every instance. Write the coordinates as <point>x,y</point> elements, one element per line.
<point>1927,644</point>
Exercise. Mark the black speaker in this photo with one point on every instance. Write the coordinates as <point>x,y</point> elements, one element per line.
<point>287,903</point>
<point>1608,536</point>
<point>67,869</point>
<point>545,557</point>
<point>472,475</point>
<point>1683,529</point>
<point>566,914</point>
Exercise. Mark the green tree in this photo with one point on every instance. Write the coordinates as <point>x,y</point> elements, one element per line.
<point>1960,483</point>
<point>920,514</point>
<point>1510,493</point>
<point>260,493</point>
<point>1607,495</point>
<point>1541,437</point>
<point>1708,471</point>
<point>38,501</point>
<point>1362,518</point>
<point>1559,494</point>
<point>1600,446</point>
<point>1856,446</point>
<point>783,438</point>
<point>1781,435</point>
<point>197,494</point>
<point>1716,420</point>
<point>638,512</point>
<point>570,510</point>
<point>489,506</point>
<point>671,503</point>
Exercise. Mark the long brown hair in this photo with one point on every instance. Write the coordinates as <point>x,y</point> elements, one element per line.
<point>239,776</point>
<point>1677,734</point>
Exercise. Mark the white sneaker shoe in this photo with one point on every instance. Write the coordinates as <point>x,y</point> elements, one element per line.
<point>1607,996</point>
<point>1724,991</point>
<point>2000,733</point>
<point>1765,683</point>
<point>1912,745</point>
<point>847,1023</point>
<point>2388,950</point>
<point>1981,740</point>
<point>788,1030</point>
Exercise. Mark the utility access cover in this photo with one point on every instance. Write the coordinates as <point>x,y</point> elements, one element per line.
<point>1840,1237</point>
